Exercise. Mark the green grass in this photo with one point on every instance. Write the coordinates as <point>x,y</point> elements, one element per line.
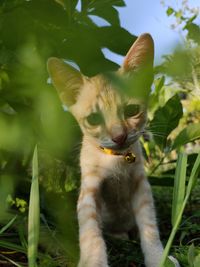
<point>34,214</point>
<point>52,249</point>
<point>177,206</point>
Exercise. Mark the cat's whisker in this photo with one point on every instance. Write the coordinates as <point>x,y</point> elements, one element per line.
<point>160,135</point>
<point>157,123</point>
<point>156,132</point>
<point>156,126</point>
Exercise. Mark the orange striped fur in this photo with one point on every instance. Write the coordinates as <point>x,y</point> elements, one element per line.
<point>114,194</point>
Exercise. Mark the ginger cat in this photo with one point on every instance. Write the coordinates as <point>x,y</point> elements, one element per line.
<point>114,193</point>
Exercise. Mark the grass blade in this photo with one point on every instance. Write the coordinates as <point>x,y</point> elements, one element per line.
<point>179,186</point>
<point>12,246</point>
<point>34,214</point>
<point>191,183</point>
<point>4,228</point>
<point>194,175</point>
<point>11,261</point>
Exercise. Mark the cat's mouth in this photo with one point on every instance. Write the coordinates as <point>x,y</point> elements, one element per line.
<point>131,139</point>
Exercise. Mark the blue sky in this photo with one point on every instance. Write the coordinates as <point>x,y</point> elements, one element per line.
<point>141,16</point>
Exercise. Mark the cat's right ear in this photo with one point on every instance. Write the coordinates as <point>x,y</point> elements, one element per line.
<point>66,79</point>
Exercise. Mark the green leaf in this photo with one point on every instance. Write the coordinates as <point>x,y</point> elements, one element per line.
<point>159,84</point>
<point>188,134</point>
<point>170,11</point>
<point>155,95</point>
<point>194,174</point>
<point>178,14</point>
<point>110,14</point>
<point>197,261</point>
<point>70,7</point>
<point>118,3</point>
<point>115,38</point>
<point>169,263</point>
<point>103,3</point>
<point>165,120</point>
<point>191,255</point>
<point>179,186</point>
<point>193,32</point>
<point>34,214</point>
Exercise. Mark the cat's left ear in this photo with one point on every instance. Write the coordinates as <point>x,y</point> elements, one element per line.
<point>66,79</point>
<point>140,55</point>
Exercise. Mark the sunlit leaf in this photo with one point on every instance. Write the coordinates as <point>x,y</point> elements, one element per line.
<point>188,134</point>
<point>165,120</point>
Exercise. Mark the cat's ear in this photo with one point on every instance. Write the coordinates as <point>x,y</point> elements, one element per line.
<point>66,79</point>
<point>140,55</point>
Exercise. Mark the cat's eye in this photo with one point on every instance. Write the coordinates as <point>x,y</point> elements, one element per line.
<point>131,110</point>
<point>95,119</point>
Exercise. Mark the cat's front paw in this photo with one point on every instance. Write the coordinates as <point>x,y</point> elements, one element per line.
<point>174,260</point>
<point>92,264</point>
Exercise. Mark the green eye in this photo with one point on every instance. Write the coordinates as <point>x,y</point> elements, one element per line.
<point>95,119</point>
<point>131,110</point>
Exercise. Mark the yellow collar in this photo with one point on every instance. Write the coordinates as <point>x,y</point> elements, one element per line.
<point>128,156</point>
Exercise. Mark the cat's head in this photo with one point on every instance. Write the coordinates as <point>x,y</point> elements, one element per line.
<point>107,117</point>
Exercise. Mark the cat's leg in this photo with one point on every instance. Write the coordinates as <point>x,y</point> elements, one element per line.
<point>143,208</point>
<point>144,211</point>
<point>92,245</point>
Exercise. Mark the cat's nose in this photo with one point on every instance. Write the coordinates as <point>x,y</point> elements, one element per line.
<point>120,139</point>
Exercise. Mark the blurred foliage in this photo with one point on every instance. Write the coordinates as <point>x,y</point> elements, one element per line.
<point>31,113</point>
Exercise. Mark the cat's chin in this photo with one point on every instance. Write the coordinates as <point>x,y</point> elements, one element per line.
<point>118,148</point>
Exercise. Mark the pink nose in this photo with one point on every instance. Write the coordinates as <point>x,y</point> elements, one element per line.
<point>120,139</point>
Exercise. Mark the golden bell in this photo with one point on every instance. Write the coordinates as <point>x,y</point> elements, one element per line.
<point>130,157</point>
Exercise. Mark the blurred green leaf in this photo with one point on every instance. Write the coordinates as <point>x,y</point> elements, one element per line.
<point>70,5</point>
<point>97,4</point>
<point>191,255</point>
<point>165,120</point>
<point>170,11</point>
<point>109,13</point>
<point>6,188</point>
<point>197,261</point>
<point>169,263</point>
<point>155,94</point>
<point>178,14</point>
<point>34,214</point>
<point>188,134</point>
<point>115,38</point>
<point>193,32</point>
